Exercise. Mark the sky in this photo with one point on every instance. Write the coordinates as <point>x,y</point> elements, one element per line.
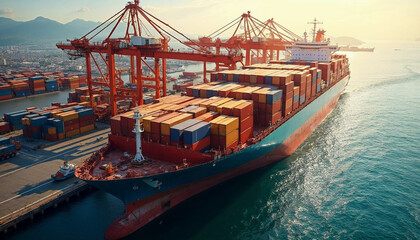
<point>362,19</point>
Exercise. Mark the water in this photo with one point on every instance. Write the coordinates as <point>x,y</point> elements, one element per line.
<point>355,177</point>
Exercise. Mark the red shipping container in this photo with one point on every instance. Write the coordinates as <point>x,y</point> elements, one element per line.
<point>244,110</point>
<point>308,93</point>
<point>51,137</point>
<point>166,140</point>
<point>273,108</point>
<point>4,127</point>
<point>155,137</point>
<point>246,134</point>
<point>212,78</point>
<point>288,87</point>
<point>146,136</point>
<point>35,129</point>
<point>220,76</point>
<point>273,118</point>
<point>200,145</point>
<point>214,141</point>
<point>71,127</point>
<point>116,125</point>
<point>261,119</point>
<point>261,108</point>
<point>260,79</point>
<point>246,123</point>
<point>71,122</point>
<point>287,96</point>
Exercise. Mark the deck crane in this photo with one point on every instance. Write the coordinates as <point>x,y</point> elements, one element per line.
<point>256,38</point>
<point>138,45</point>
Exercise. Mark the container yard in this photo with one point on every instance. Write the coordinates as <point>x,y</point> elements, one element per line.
<point>27,83</point>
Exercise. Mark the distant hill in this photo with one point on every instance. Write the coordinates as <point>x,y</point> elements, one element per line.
<point>41,30</point>
<point>346,41</point>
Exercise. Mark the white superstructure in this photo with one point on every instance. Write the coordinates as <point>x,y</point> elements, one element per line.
<point>318,50</point>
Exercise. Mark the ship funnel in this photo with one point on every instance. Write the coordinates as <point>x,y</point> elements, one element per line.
<point>137,130</point>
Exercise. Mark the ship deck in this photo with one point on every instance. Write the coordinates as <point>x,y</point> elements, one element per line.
<point>122,166</point>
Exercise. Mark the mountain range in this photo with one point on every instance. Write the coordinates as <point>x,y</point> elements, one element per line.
<point>41,30</point>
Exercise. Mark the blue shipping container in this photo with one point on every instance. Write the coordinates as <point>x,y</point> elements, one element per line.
<point>177,131</point>
<point>196,132</point>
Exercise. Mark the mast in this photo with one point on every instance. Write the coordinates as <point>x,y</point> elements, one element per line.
<point>139,156</point>
<point>315,22</point>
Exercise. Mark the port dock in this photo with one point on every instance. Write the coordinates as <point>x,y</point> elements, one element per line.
<point>27,189</point>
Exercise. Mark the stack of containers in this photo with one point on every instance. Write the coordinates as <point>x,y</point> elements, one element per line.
<point>228,132</point>
<point>155,127</point>
<point>165,126</point>
<point>197,137</point>
<point>224,132</point>
<point>296,91</point>
<point>14,119</point>
<point>300,81</point>
<point>71,122</point>
<point>86,119</point>
<point>259,98</point>
<point>115,123</point>
<point>59,125</point>
<point>273,106</point>
<point>20,88</point>
<point>177,131</point>
<point>37,84</point>
<point>51,85</point>
<point>35,127</point>
<point>287,101</point>
<point>74,82</point>
<point>49,130</point>
<point>5,91</point>
<point>326,72</point>
<point>244,112</point>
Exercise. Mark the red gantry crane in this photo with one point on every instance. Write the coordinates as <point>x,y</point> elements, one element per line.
<point>138,44</point>
<point>258,39</point>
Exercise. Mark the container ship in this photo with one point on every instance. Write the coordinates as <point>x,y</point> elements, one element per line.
<point>163,153</point>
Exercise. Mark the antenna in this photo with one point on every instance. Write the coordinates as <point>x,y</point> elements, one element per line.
<point>315,22</point>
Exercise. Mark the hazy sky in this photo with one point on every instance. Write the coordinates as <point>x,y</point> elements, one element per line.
<point>363,19</point>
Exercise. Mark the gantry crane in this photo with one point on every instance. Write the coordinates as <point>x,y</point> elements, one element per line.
<point>260,39</point>
<point>137,44</point>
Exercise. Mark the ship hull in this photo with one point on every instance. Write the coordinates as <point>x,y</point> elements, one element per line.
<point>144,201</point>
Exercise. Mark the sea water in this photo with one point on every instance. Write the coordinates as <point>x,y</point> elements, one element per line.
<point>356,177</point>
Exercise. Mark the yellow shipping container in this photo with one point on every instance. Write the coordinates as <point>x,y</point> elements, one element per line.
<point>87,128</point>
<point>231,138</point>
<point>214,124</point>
<point>228,125</point>
<point>52,130</point>
<point>72,133</point>
<point>147,123</point>
<point>165,127</point>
